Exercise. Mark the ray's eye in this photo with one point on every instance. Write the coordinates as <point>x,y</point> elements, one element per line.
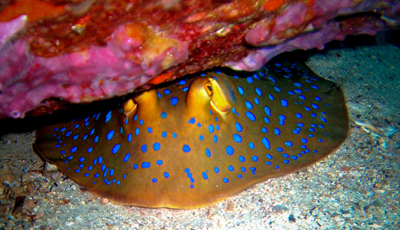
<point>129,107</point>
<point>209,89</point>
<point>136,97</point>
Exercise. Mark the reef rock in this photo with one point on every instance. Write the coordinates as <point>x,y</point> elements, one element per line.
<point>57,51</point>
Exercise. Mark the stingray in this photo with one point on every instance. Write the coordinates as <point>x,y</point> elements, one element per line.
<point>197,141</point>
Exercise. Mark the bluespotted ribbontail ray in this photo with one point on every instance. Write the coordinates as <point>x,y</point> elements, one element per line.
<point>197,141</point>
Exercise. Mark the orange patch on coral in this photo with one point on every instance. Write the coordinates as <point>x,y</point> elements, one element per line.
<point>136,31</point>
<point>34,9</point>
<point>161,78</point>
<point>196,17</point>
<point>83,21</point>
<point>272,5</point>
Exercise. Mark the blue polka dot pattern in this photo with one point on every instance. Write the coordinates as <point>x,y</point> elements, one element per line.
<point>252,126</point>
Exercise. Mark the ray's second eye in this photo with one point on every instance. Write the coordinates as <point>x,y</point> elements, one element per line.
<point>209,89</point>
<point>136,97</point>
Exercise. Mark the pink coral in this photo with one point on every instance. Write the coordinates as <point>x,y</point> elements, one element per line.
<point>50,58</point>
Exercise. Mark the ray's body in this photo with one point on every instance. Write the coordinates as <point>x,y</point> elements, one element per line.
<point>200,140</point>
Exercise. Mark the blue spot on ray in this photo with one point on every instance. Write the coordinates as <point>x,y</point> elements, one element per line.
<point>284,102</point>
<point>229,150</point>
<point>277,131</point>
<point>186,148</point>
<point>208,153</point>
<point>282,119</point>
<point>174,101</point>
<point>240,89</point>
<point>110,135</point>
<point>126,158</point>
<point>249,105</point>
<point>267,111</point>
<point>108,116</point>
<point>259,92</point>
<point>266,143</point>
<point>116,148</point>
<point>237,138</point>
<point>205,177</point>
<point>238,127</point>
<point>251,116</point>
<point>166,175</point>
<point>145,165</point>
<point>156,146</point>
<point>251,145</point>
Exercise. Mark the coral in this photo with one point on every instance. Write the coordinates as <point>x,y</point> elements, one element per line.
<point>84,50</point>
